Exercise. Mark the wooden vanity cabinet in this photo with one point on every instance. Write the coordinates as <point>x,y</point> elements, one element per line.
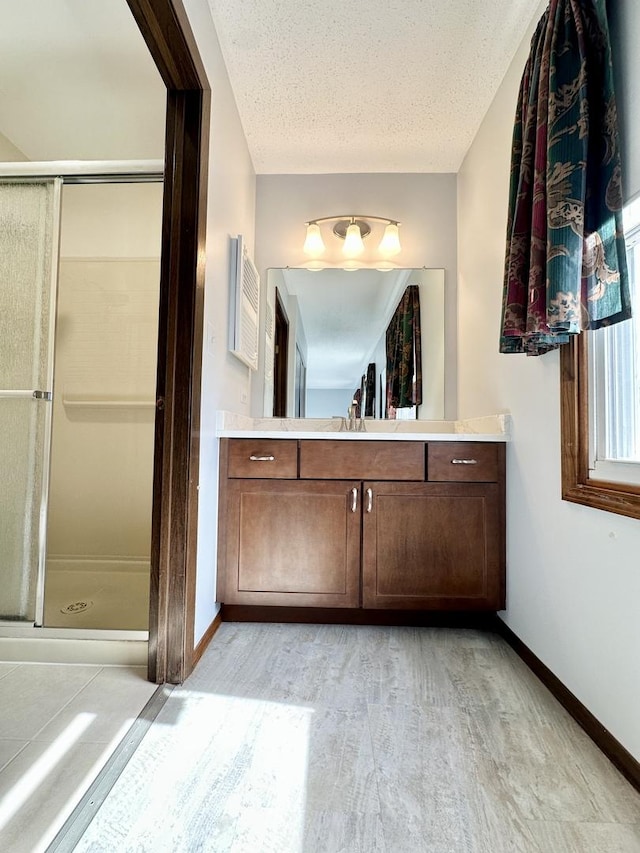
<point>438,545</point>
<point>370,524</point>
<point>292,543</point>
<point>432,546</point>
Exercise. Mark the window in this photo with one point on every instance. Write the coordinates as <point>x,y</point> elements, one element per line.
<point>614,389</point>
<point>601,404</point>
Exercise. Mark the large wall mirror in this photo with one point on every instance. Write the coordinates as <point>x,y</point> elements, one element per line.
<point>325,337</point>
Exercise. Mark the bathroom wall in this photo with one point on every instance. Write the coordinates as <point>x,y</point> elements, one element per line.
<point>573,582</point>
<point>225,379</point>
<point>8,151</point>
<point>104,380</point>
<point>425,204</point>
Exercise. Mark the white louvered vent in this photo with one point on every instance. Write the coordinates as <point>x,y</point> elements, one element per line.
<point>244,305</point>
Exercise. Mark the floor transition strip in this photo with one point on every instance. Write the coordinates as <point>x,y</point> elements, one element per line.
<point>76,824</point>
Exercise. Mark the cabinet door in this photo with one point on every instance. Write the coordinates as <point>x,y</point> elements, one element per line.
<point>433,546</point>
<point>293,543</point>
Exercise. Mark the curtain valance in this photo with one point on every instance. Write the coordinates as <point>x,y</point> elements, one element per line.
<point>565,267</point>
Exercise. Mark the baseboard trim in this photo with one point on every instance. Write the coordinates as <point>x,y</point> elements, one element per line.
<point>345,616</point>
<point>602,737</point>
<point>206,639</point>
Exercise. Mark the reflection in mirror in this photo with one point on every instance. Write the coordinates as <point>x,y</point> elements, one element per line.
<point>337,325</point>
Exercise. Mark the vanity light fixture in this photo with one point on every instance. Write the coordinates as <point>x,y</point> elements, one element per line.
<point>353,229</point>
<point>390,243</point>
<point>314,244</point>
<point>353,245</point>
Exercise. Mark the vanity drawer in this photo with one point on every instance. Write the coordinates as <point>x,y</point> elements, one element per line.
<point>361,460</point>
<point>462,461</point>
<point>263,458</point>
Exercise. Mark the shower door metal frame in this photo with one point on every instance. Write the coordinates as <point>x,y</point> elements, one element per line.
<point>46,468</point>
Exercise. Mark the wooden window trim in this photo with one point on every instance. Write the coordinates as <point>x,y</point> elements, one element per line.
<point>577,486</point>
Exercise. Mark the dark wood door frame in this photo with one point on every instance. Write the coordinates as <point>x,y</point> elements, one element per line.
<point>167,33</point>
<point>281,362</point>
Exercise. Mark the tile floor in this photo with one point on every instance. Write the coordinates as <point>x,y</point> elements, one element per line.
<point>58,726</point>
<point>332,739</point>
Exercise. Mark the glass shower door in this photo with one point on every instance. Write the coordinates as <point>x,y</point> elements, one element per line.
<point>29,237</point>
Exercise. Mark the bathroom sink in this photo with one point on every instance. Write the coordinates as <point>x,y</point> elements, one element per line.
<point>492,427</point>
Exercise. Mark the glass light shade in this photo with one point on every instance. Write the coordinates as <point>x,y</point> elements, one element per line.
<point>353,244</point>
<point>313,244</point>
<point>390,243</point>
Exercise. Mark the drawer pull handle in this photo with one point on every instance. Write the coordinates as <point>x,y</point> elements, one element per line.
<point>354,500</point>
<point>369,500</point>
<point>464,461</point>
<point>262,458</point>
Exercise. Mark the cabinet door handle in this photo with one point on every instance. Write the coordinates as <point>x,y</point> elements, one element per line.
<point>354,499</point>
<point>464,461</point>
<point>369,500</point>
<point>253,458</point>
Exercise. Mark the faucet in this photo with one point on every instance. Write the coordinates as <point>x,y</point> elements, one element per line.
<point>354,424</point>
<point>351,415</point>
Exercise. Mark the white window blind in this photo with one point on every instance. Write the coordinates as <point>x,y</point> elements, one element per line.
<point>615,380</point>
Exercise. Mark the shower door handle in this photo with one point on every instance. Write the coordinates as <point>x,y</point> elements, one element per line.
<point>34,395</point>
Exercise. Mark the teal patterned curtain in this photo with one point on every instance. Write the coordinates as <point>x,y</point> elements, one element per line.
<point>565,267</point>
<point>404,352</point>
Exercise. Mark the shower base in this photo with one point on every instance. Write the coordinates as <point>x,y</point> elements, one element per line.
<point>97,595</point>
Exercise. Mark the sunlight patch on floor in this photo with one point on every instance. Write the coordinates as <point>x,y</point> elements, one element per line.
<point>20,793</point>
<point>224,765</point>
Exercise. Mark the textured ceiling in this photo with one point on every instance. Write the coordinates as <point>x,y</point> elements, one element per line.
<point>367,85</point>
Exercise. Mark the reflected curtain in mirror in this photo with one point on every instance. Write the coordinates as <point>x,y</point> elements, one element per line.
<point>565,268</point>
<point>404,353</point>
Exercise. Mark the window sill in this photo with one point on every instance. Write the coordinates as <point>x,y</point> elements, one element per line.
<point>616,471</point>
<point>610,497</point>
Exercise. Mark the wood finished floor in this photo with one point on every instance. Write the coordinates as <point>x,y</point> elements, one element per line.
<point>327,739</point>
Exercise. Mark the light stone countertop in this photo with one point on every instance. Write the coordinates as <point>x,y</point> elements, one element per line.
<point>489,428</point>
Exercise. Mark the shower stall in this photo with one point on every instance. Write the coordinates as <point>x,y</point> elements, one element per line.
<point>79,289</point>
